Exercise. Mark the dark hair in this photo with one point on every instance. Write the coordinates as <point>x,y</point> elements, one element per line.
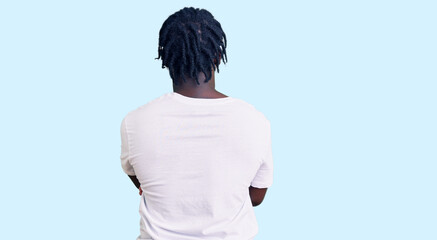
<point>191,41</point>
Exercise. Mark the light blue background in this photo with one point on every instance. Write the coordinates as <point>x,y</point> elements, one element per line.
<point>349,88</point>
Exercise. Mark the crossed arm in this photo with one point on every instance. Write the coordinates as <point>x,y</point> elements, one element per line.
<point>256,194</point>
<point>136,182</point>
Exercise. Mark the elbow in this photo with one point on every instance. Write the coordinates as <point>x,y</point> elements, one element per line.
<point>256,202</point>
<point>257,195</point>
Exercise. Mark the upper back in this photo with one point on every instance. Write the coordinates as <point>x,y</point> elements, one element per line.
<point>195,158</point>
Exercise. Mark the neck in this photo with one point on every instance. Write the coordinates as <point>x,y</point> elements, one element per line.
<point>204,90</point>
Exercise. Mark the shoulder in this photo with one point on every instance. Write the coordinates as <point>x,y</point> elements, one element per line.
<point>150,108</point>
<point>251,110</point>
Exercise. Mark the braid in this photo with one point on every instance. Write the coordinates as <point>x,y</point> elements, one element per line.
<point>191,41</point>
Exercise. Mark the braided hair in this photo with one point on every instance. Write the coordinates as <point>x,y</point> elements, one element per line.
<point>191,41</point>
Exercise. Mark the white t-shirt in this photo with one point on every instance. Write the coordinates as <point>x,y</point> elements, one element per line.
<point>195,159</point>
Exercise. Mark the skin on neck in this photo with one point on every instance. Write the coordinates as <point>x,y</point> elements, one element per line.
<point>204,90</point>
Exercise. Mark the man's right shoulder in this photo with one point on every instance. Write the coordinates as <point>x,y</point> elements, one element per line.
<point>153,105</point>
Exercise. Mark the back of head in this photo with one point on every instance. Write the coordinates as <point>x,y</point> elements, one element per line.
<point>191,42</point>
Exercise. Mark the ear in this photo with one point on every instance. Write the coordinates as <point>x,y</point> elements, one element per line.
<point>220,59</point>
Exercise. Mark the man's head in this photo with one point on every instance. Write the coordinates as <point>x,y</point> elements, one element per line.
<point>191,42</point>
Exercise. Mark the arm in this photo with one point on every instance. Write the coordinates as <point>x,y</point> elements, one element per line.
<point>124,156</point>
<point>136,182</point>
<point>257,195</point>
<point>264,176</point>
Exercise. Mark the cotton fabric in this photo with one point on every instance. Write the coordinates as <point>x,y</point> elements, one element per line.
<point>195,159</point>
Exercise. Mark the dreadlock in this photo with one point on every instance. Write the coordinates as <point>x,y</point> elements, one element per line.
<point>191,41</point>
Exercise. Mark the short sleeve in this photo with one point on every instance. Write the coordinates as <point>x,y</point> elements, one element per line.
<point>264,175</point>
<point>124,156</point>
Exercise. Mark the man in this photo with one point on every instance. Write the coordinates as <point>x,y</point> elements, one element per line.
<point>200,159</point>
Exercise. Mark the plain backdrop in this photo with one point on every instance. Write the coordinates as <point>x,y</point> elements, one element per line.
<point>349,87</point>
